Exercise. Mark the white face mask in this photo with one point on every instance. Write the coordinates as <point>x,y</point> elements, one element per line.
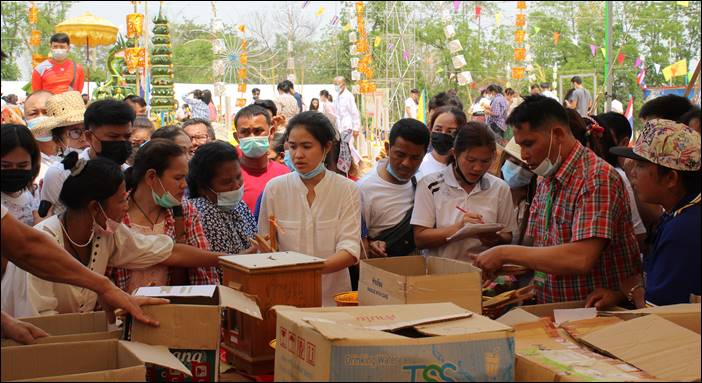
<point>229,200</point>
<point>59,54</point>
<point>547,168</point>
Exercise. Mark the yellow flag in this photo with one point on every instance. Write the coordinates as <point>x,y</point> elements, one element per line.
<point>376,42</point>
<point>677,69</point>
<point>319,11</point>
<point>683,3</point>
<point>347,27</point>
<point>498,18</point>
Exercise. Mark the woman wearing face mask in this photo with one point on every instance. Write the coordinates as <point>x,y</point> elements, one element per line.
<point>155,184</point>
<point>444,123</point>
<point>463,193</point>
<point>96,201</point>
<point>20,165</point>
<point>216,185</point>
<point>522,184</point>
<point>318,211</point>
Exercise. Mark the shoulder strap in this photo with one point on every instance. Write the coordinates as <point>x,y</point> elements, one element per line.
<point>73,82</point>
<point>414,182</point>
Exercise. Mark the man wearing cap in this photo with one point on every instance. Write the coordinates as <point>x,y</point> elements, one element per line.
<point>667,172</point>
<point>580,223</point>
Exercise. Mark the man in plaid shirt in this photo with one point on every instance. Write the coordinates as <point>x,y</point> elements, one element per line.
<point>580,223</point>
<point>497,112</point>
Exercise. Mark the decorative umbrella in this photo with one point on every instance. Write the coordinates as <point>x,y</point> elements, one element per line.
<point>89,30</point>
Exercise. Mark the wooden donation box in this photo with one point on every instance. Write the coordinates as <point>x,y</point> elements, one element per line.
<point>284,278</point>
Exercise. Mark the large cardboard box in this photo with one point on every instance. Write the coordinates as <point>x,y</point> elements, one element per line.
<point>99,360</point>
<point>70,328</point>
<point>418,279</point>
<point>418,342</point>
<point>686,315</point>
<point>190,326</point>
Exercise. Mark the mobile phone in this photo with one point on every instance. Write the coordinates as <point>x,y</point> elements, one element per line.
<point>44,207</point>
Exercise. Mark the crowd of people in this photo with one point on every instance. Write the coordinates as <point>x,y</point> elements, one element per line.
<point>122,205</point>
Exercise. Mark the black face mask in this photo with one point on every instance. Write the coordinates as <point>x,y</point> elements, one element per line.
<point>14,180</point>
<point>117,151</point>
<point>441,142</point>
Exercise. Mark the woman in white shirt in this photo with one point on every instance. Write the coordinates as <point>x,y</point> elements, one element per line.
<point>463,193</point>
<point>96,201</point>
<point>326,106</point>
<point>318,211</point>
<point>21,160</point>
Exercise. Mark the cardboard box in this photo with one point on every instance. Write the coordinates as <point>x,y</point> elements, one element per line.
<point>418,279</point>
<point>653,344</point>
<point>686,315</point>
<point>99,360</point>
<point>70,328</point>
<point>418,342</point>
<point>190,326</point>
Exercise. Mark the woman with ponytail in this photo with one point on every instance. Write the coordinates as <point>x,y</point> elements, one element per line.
<point>155,186</point>
<point>90,230</point>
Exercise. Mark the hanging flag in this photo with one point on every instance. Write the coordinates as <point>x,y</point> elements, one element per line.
<point>456,5</point>
<point>677,69</point>
<point>498,18</point>
<point>556,37</point>
<point>334,20</point>
<point>405,55</point>
<point>593,49</point>
<point>376,41</point>
<point>640,78</point>
<point>346,27</point>
<point>242,28</point>
<point>536,30</point>
<point>305,4</point>
<point>422,107</point>
<point>629,113</point>
<point>477,11</point>
<point>319,12</point>
<point>620,58</point>
<point>683,3</point>
<point>521,4</point>
<point>638,62</point>
<point>657,67</point>
<point>604,51</point>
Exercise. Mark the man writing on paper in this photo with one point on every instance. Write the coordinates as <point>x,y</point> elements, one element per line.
<point>580,222</point>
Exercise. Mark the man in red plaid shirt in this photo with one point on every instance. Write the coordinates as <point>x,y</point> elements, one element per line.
<point>580,223</point>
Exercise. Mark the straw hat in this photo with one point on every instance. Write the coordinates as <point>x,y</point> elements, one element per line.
<point>514,150</point>
<point>63,109</point>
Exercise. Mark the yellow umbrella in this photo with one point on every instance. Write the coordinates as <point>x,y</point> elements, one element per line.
<point>89,30</point>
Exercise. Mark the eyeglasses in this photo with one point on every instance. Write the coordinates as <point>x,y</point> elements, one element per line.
<point>75,133</point>
<point>199,138</point>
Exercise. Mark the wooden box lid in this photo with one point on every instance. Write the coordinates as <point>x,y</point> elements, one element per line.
<point>266,261</point>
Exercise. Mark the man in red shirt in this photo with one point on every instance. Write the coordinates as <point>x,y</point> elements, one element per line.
<point>58,74</point>
<point>254,132</point>
<point>580,223</point>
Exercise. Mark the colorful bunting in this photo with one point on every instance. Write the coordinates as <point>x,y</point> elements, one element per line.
<point>536,30</point>
<point>518,73</point>
<point>519,35</point>
<point>604,51</point>
<point>305,4</point>
<point>334,20</point>
<point>521,20</point>
<point>456,5</point>
<point>638,62</point>
<point>242,28</point>
<point>376,41</point>
<point>683,3</point>
<point>319,12</point>
<point>629,113</point>
<point>620,58</point>
<point>521,4</point>
<point>556,37</point>
<point>519,54</point>
<point>677,69</point>
<point>593,49</point>
<point>405,55</point>
<point>477,11</point>
<point>640,77</point>
<point>498,18</point>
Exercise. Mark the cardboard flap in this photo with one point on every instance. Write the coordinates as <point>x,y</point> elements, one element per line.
<point>336,326</point>
<point>239,301</point>
<point>561,316</point>
<point>156,355</point>
<point>517,316</point>
<point>475,324</point>
<point>653,344</point>
<point>415,322</point>
<point>682,308</point>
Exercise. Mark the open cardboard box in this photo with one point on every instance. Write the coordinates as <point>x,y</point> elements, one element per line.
<point>414,342</point>
<point>98,360</point>
<point>418,279</point>
<point>70,328</point>
<point>546,352</point>
<point>190,326</point>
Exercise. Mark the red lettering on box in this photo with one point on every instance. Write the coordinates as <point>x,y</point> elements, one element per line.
<point>301,348</point>
<point>283,337</point>
<point>311,353</point>
<point>292,342</point>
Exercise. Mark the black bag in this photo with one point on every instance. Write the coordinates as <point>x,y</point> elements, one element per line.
<point>399,240</point>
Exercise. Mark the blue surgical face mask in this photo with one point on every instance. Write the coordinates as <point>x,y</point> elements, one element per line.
<point>166,200</point>
<point>288,161</point>
<point>254,147</point>
<point>32,124</point>
<point>515,175</point>
<point>388,167</point>
<point>229,200</point>
<point>314,172</point>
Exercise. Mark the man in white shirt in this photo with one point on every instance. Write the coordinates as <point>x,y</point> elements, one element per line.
<point>412,104</point>
<point>617,105</point>
<point>546,91</point>
<point>387,192</point>
<point>347,115</point>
